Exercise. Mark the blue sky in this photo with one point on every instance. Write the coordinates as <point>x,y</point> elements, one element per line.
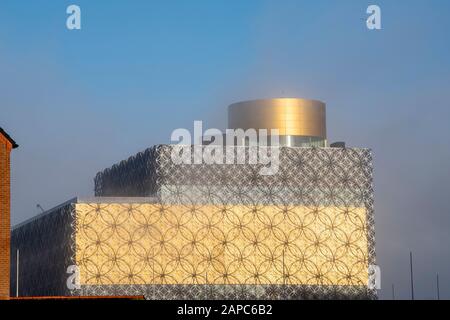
<point>79,101</point>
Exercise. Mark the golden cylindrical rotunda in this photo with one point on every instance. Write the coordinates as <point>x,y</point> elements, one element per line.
<point>300,122</point>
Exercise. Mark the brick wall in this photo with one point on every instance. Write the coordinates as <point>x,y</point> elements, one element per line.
<point>5,233</point>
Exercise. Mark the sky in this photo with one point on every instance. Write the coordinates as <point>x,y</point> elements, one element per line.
<point>78,101</point>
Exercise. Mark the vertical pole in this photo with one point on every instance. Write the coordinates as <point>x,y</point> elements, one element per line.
<point>17,272</point>
<point>284,279</point>
<point>393,292</point>
<point>153,272</point>
<point>412,275</point>
<point>206,286</point>
<point>437,287</point>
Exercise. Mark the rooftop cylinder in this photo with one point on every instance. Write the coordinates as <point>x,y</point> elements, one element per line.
<point>301,122</point>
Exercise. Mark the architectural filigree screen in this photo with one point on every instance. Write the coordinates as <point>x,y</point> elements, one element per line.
<point>138,244</point>
<point>228,228</point>
<point>211,231</point>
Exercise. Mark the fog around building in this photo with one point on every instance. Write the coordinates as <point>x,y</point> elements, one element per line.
<point>79,101</point>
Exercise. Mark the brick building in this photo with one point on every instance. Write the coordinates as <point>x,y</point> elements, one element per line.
<point>6,145</point>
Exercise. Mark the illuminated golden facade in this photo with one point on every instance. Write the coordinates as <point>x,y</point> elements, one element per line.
<point>141,244</point>
<point>225,231</point>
